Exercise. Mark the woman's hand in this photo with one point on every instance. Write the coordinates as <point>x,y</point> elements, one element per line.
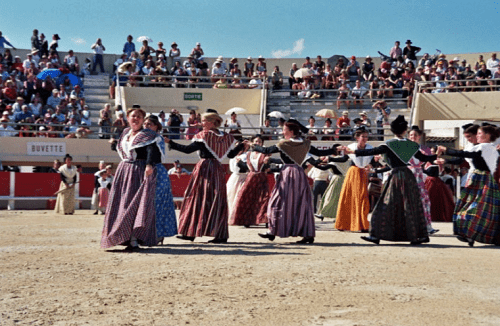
<point>167,140</point>
<point>148,171</point>
<point>440,150</point>
<point>112,140</point>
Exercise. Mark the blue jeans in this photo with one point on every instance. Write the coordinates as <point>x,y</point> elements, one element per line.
<point>98,60</point>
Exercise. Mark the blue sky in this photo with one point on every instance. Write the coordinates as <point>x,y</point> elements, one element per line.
<point>260,27</point>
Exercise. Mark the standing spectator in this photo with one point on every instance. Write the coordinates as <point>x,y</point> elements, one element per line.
<point>248,68</point>
<point>119,125</point>
<point>277,78</point>
<point>410,52</point>
<point>3,41</point>
<point>44,46</point>
<point>382,116</point>
<point>98,52</point>
<point>55,167</point>
<point>163,120</point>
<point>35,42</point>
<point>72,62</point>
<point>146,50</point>
<point>54,45</point>
<point>307,63</point>
<point>368,69</point>
<point>320,63</point>
<point>174,54</point>
<point>174,122</point>
<point>493,63</point>
<point>479,62</point>
<point>105,126</point>
<point>396,51</point>
<point>188,63</point>
<point>129,46</point>
<point>161,52</point>
<point>194,125</point>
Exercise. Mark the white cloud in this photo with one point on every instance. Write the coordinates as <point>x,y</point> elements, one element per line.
<point>298,47</point>
<point>78,40</point>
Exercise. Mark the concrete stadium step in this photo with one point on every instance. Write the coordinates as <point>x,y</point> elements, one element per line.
<point>96,98</point>
<point>97,90</point>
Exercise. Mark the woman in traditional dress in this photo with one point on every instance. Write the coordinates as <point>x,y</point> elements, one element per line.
<point>130,215</point>
<point>166,221</point>
<point>65,202</point>
<point>329,202</point>
<point>253,197</point>
<point>204,208</point>
<point>415,166</point>
<point>354,203</point>
<point>440,195</point>
<point>105,180</point>
<point>239,169</point>
<point>94,203</point>
<point>398,214</point>
<point>290,210</point>
<point>477,213</point>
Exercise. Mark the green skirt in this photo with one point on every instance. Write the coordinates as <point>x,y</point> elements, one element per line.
<point>330,200</point>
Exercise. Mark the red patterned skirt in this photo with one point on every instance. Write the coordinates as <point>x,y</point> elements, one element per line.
<point>441,197</point>
<point>251,201</point>
<point>204,208</point>
<point>131,210</point>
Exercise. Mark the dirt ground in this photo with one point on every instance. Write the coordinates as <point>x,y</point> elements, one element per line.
<point>52,272</point>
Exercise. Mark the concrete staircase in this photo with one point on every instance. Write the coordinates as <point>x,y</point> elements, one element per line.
<point>96,89</point>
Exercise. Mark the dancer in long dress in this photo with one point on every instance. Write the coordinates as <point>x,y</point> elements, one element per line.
<point>290,209</point>
<point>239,169</point>
<point>130,215</point>
<point>166,221</point>
<point>477,213</point>
<point>415,166</point>
<point>105,180</point>
<point>253,197</point>
<point>65,203</point>
<point>354,203</point>
<point>204,208</point>
<point>330,200</point>
<point>440,195</point>
<point>398,214</point>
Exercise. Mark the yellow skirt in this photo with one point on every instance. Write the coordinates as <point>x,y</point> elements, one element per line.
<point>354,204</point>
<point>65,203</point>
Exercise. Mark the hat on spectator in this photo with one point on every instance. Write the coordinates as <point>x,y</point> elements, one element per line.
<point>85,106</point>
<point>233,59</point>
<point>55,91</point>
<point>456,59</point>
<point>464,60</point>
<point>84,123</point>
<point>220,58</point>
<point>73,97</point>
<point>34,51</point>
<point>345,113</point>
<point>408,42</point>
<point>173,43</point>
<point>19,98</point>
<point>363,113</point>
<point>368,57</point>
<point>47,115</point>
<point>249,58</point>
<point>42,128</point>
<point>255,74</point>
<point>428,62</point>
<point>161,111</point>
<point>190,56</point>
<point>56,36</point>
<point>161,56</point>
<point>353,57</point>
<point>357,120</point>
<point>86,114</point>
<point>261,57</point>
<point>5,113</point>
<point>198,43</point>
<point>77,86</point>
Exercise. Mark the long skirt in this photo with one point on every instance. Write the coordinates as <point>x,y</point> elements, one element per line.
<point>398,214</point>
<point>131,210</point>
<point>290,210</point>
<point>204,208</point>
<point>354,204</point>
<point>424,195</point>
<point>477,213</point>
<point>233,186</point>
<point>166,222</point>
<point>103,197</point>
<point>65,202</point>
<point>251,201</point>
<point>94,203</point>
<point>441,197</point>
<point>330,201</point>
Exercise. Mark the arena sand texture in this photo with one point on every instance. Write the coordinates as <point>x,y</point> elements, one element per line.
<point>52,272</point>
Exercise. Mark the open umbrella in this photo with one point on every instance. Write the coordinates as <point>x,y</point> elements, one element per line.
<point>277,115</point>
<point>53,73</point>
<point>326,113</point>
<point>235,110</point>
<point>73,79</point>
<point>144,38</point>
<point>333,60</point>
<point>303,72</point>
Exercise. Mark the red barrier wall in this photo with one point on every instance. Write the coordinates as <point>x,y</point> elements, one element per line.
<point>179,184</point>
<point>4,183</point>
<point>86,184</point>
<point>36,184</point>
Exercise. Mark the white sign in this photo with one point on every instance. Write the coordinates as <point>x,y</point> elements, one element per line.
<point>46,149</point>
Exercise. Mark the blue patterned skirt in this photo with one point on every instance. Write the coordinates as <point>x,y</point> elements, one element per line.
<point>166,222</point>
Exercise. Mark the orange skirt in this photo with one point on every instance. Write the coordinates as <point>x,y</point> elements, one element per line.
<point>354,204</point>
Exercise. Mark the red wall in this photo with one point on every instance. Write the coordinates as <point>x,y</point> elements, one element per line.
<point>4,183</point>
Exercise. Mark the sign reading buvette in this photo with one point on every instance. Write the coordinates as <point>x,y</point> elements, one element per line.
<point>45,149</point>
<point>193,96</point>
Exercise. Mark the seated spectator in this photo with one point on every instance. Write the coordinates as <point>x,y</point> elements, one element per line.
<point>234,125</point>
<point>27,130</point>
<point>17,107</point>
<point>395,78</point>
<point>63,94</point>
<point>307,63</point>
<point>261,66</point>
<point>174,122</point>
<point>17,64</point>
<point>138,61</point>
<point>86,116</point>
<point>358,93</point>
<point>106,109</point>
<point>374,86</point>
<point>23,115</point>
<point>119,61</point>
<point>365,121</point>
<point>232,63</point>
<point>221,84</point>
<point>5,129</point>
<point>78,92</point>
<point>83,131</point>
<point>119,125</point>
<point>480,61</point>
<point>193,79</point>
<point>368,69</point>
<point>218,71</point>
<point>267,131</point>
<point>72,62</point>
<point>9,92</point>
<point>386,89</point>
<point>74,104</point>
<point>237,84</point>
<point>313,130</point>
<point>344,126</point>
<point>36,107</point>
<point>235,71</point>
<point>328,131</point>
<point>54,100</point>
<point>484,76</point>
<point>178,169</point>
<point>423,60</point>
<point>493,63</point>
<point>248,68</point>
<point>343,94</point>
<point>71,128</point>
<point>87,66</point>
<point>181,82</point>
<point>277,78</point>
<point>54,59</point>
<point>161,52</point>
<point>30,65</point>
<point>353,69</point>
<point>59,115</point>
<point>463,65</point>
<point>255,82</point>
<point>291,79</point>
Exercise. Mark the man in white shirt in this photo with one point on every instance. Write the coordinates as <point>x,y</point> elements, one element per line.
<point>29,63</point>
<point>493,63</point>
<point>72,61</point>
<point>6,130</point>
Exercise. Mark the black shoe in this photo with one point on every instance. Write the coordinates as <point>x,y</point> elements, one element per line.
<point>463,239</point>
<point>471,242</point>
<point>96,212</point>
<point>267,236</point>
<point>420,241</point>
<point>216,240</point>
<point>371,239</point>
<point>130,248</point>
<point>433,231</point>
<point>321,217</point>
<point>185,237</point>
<point>306,240</point>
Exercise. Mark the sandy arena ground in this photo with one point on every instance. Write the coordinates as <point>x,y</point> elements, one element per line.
<point>52,272</point>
